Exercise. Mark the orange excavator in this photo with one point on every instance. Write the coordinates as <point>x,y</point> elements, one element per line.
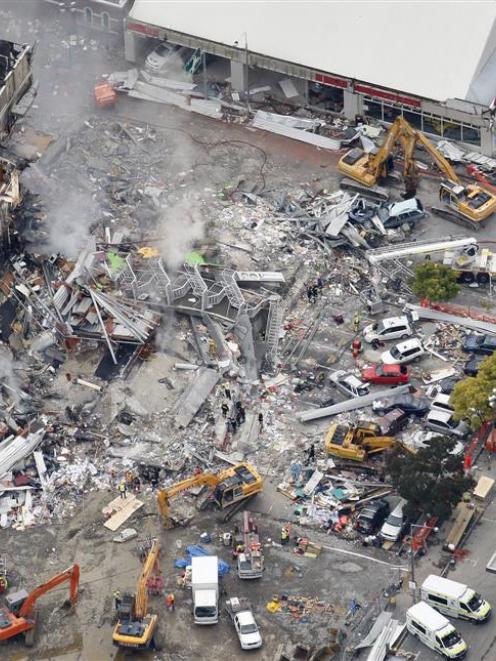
<point>18,617</point>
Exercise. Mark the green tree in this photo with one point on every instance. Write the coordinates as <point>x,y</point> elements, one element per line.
<point>470,397</point>
<point>431,480</point>
<point>435,281</point>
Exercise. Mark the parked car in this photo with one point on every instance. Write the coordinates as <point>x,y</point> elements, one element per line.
<point>393,422</point>
<point>349,384</point>
<point>420,438</point>
<point>447,385</point>
<point>404,352</point>
<point>481,344</point>
<point>441,402</point>
<point>386,374</point>
<point>444,423</point>
<point>392,328</point>
<point>411,404</point>
<point>165,57</point>
<point>372,516</point>
<point>394,524</point>
<point>471,367</point>
<point>396,214</point>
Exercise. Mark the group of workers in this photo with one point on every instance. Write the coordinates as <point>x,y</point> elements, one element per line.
<point>313,289</point>
<point>130,482</point>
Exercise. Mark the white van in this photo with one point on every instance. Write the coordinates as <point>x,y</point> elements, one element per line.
<point>435,631</point>
<point>393,525</point>
<point>392,328</point>
<point>455,599</point>
<point>404,352</point>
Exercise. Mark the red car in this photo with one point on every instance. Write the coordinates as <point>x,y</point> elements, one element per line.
<point>386,374</point>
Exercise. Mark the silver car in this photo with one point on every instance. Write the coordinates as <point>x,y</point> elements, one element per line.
<point>444,423</point>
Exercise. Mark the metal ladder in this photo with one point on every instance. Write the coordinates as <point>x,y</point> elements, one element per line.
<point>232,291</point>
<point>273,330</point>
<point>198,284</point>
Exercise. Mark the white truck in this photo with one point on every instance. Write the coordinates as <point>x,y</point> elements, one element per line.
<point>244,622</point>
<point>205,588</point>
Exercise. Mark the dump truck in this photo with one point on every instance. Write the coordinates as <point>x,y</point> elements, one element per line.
<point>357,442</point>
<point>250,559</point>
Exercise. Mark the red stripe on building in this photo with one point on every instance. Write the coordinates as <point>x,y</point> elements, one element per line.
<point>149,30</point>
<point>330,80</point>
<point>388,96</point>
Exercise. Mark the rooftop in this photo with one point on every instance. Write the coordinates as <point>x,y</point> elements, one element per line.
<point>396,45</point>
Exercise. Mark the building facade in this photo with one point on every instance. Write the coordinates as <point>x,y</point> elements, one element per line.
<point>103,15</point>
<point>461,117</point>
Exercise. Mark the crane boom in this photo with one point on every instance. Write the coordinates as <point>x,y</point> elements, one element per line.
<point>71,574</point>
<point>141,600</point>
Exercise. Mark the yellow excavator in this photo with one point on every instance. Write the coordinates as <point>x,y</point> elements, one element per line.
<point>228,489</point>
<point>358,442</point>
<point>469,205</point>
<point>136,628</point>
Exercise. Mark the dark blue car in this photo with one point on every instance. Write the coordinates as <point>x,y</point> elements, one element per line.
<point>482,344</point>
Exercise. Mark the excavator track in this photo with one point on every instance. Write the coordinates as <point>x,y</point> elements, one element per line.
<point>236,508</point>
<point>376,193</point>
<point>457,218</point>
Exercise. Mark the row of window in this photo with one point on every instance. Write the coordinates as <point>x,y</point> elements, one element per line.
<point>92,19</point>
<point>425,122</point>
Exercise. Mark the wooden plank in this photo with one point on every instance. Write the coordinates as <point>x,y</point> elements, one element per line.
<point>118,519</point>
<point>117,504</point>
<point>483,487</point>
<point>464,514</point>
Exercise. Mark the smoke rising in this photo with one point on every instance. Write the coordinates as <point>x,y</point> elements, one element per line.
<point>180,226</point>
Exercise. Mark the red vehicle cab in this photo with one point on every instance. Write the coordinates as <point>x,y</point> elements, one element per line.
<point>386,374</point>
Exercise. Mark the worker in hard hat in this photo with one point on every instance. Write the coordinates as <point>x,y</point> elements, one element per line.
<point>117,599</point>
<point>284,535</point>
<point>170,602</point>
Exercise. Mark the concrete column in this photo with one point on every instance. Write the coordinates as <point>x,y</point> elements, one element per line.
<point>487,141</point>
<point>238,76</point>
<point>130,51</point>
<point>352,104</point>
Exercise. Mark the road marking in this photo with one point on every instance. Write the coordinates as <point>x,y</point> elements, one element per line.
<point>484,518</point>
<point>364,557</point>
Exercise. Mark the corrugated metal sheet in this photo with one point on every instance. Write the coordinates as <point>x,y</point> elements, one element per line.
<point>261,121</point>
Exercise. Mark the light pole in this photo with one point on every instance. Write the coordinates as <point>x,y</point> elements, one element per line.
<point>413,585</point>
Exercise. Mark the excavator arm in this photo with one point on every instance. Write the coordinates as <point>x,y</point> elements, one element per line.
<point>141,599</point>
<point>376,161</point>
<point>164,495</point>
<point>71,574</point>
<point>445,167</point>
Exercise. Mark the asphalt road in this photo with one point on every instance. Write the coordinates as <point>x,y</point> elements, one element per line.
<point>481,639</point>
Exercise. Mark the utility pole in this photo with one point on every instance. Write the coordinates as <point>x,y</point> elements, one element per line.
<point>247,91</point>
<point>204,65</point>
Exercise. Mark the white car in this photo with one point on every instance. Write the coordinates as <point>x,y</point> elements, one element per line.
<point>404,352</point>
<point>247,630</point>
<point>349,384</point>
<point>392,328</point>
<point>441,402</point>
<point>393,525</point>
<point>444,423</point>
<point>165,57</point>
<point>419,440</point>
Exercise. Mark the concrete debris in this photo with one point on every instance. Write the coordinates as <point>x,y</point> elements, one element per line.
<point>267,122</point>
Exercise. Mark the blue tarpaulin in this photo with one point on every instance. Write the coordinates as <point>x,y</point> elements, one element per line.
<point>195,551</point>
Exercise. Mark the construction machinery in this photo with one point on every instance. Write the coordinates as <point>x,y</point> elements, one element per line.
<point>357,442</point>
<point>469,205</point>
<point>250,559</point>
<point>18,616</point>
<point>228,489</point>
<point>136,628</point>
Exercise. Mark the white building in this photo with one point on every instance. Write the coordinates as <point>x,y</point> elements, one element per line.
<point>433,62</point>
